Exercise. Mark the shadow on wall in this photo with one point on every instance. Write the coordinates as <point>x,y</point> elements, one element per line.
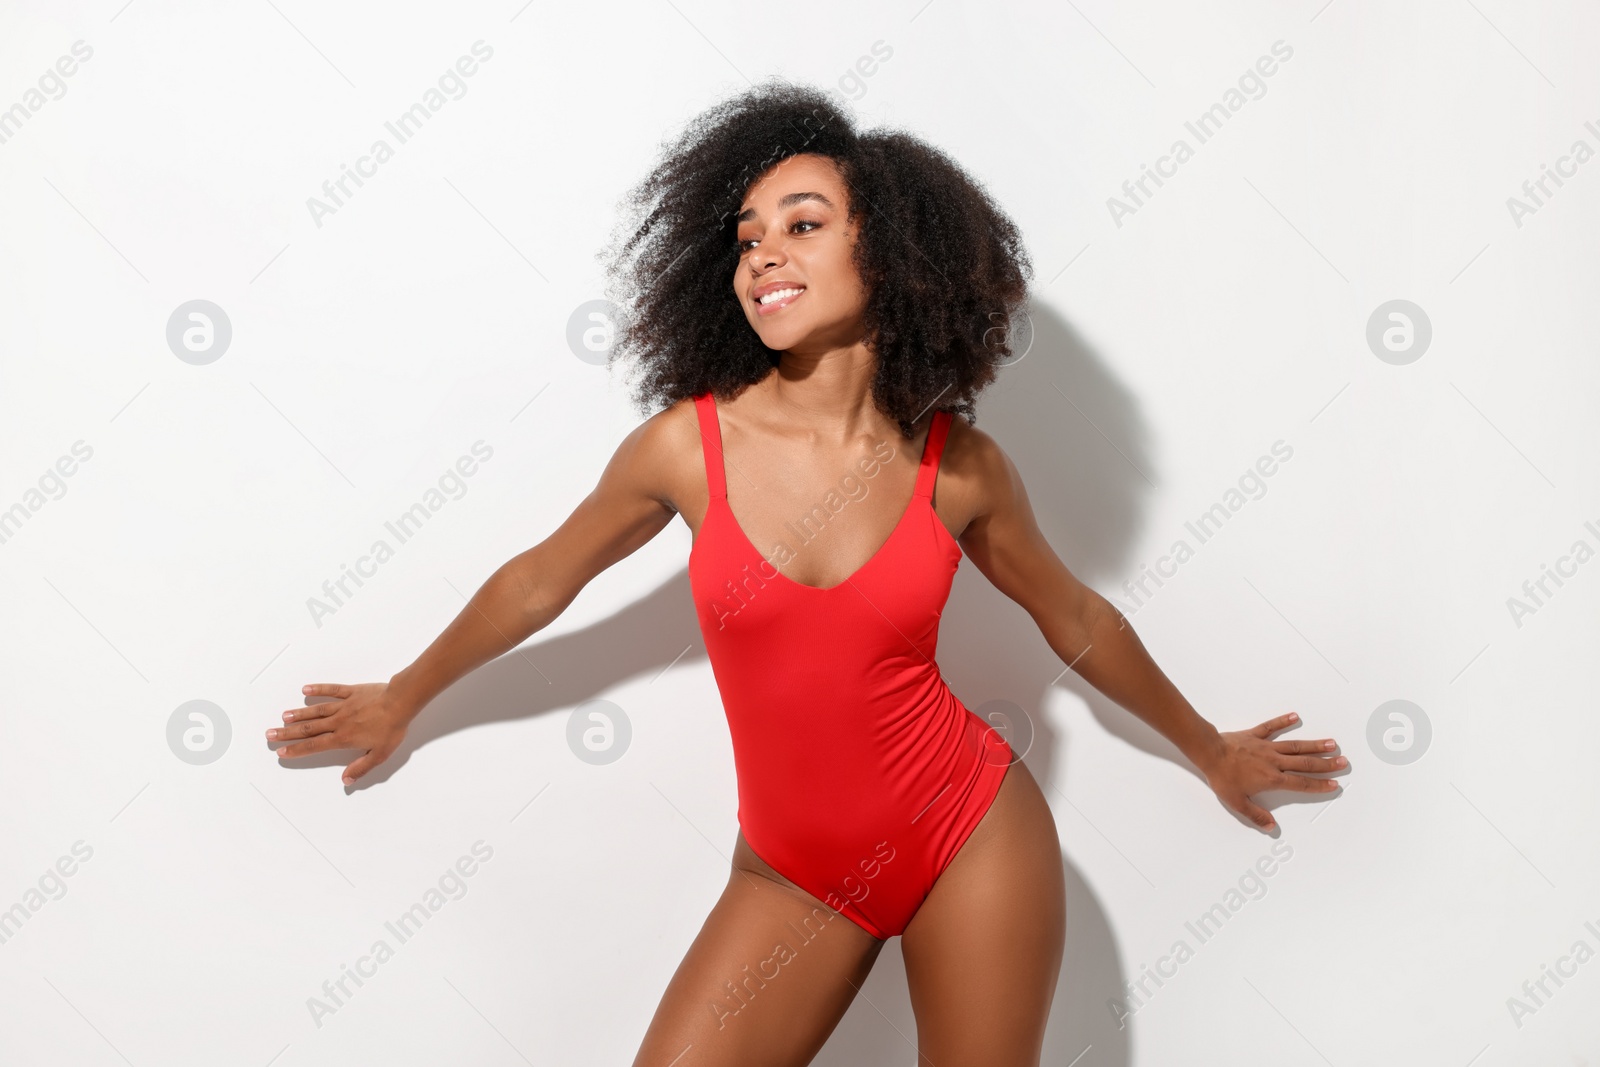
<point>1076,436</point>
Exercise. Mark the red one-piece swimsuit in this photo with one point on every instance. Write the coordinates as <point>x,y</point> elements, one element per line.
<point>860,774</point>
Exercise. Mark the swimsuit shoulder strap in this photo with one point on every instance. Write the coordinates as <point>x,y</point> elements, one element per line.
<point>705,406</point>
<point>932,449</point>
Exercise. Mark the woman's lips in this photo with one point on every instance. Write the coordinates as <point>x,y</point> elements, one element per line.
<point>778,305</point>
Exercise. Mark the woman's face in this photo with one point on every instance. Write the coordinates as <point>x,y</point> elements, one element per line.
<point>793,236</point>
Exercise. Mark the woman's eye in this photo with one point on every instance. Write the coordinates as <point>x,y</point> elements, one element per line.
<point>744,245</point>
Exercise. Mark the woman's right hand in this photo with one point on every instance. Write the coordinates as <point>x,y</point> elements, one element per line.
<point>364,717</point>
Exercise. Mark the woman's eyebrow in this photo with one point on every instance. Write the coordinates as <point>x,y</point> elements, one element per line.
<point>787,200</point>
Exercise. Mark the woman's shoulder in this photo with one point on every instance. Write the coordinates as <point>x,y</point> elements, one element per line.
<point>660,455</point>
<point>974,471</point>
<point>969,449</point>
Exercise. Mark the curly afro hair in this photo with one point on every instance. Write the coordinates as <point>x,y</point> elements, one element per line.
<point>944,268</point>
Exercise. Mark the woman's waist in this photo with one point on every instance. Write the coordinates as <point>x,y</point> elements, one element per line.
<point>784,753</point>
<point>882,689</point>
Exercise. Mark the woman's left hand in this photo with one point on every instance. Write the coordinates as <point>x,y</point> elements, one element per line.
<point>1247,763</point>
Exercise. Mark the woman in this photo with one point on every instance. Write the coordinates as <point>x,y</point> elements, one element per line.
<point>808,439</point>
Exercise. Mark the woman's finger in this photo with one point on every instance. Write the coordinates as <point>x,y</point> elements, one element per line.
<point>326,689</point>
<point>1307,785</point>
<point>1326,744</point>
<point>1314,764</point>
<point>320,743</point>
<point>311,711</point>
<point>1255,813</point>
<point>308,728</point>
<point>358,767</point>
<point>1272,726</point>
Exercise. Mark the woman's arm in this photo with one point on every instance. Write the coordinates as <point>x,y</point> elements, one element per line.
<point>631,504</point>
<point>1094,639</point>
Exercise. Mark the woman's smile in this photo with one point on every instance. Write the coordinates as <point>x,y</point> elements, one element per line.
<point>784,298</point>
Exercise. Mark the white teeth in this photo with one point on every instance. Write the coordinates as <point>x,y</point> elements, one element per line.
<point>780,294</point>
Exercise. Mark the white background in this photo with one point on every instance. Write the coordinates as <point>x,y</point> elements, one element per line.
<point>430,312</point>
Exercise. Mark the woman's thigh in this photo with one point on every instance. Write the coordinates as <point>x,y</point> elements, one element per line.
<point>766,980</point>
<point>984,950</point>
